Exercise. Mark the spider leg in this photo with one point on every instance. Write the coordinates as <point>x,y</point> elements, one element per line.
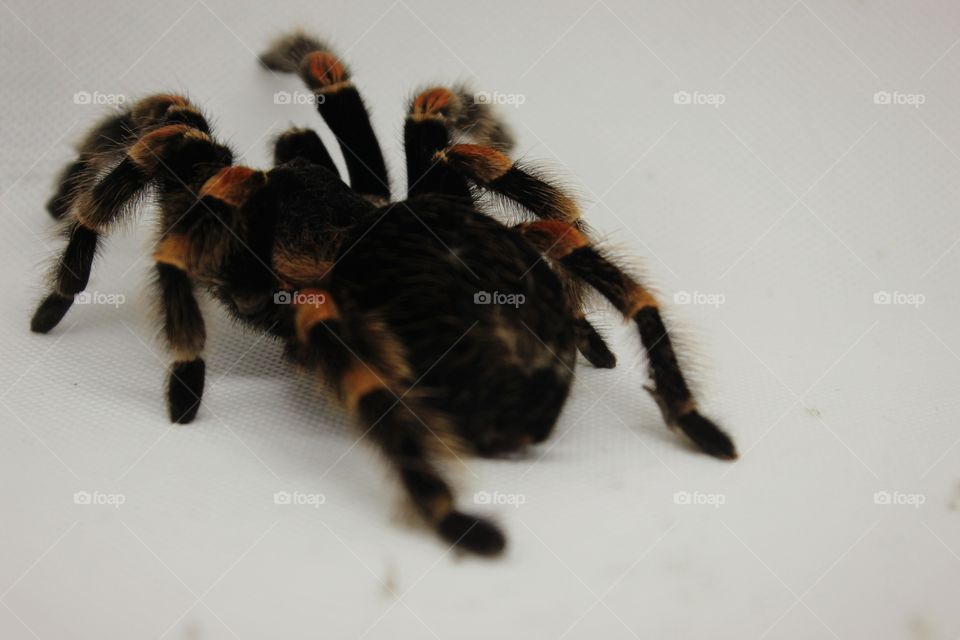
<point>438,117</point>
<point>98,207</point>
<point>185,335</point>
<point>166,142</point>
<point>92,204</point>
<point>340,105</point>
<point>590,343</point>
<point>424,135</point>
<point>372,380</point>
<point>571,249</point>
<point>491,169</point>
<point>302,144</point>
<point>494,171</point>
<point>433,115</point>
<point>211,239</point>
<point>106,137</point>
<point>107,141</point>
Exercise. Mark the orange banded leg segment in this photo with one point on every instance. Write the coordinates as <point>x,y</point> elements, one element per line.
<point>496,172</point>
<point>558,238</point>
<point>425,134</point>
<point>107,142</point>
<point>96,203</point>
<point>341,107</point>
<point>570,248</point>
<point>401,428</point>
<point>185,334</point>
<point>98,148</point>
<point>232,185</point>
<point>94,210</point>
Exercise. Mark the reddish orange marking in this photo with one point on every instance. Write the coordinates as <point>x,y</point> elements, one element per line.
<point>173,250</point>
<point>563,237</point>
<point>172,98</point>
<point>432,102</point>
<point>300,268</point>
<point>439,506</point>
<point>230,185</point>
<point>358,381</point>
<point>148,110</point>
<point>325,69</point>
<point>640,298</point>
<point>146,150</point>
<point>313,306</point>
<point>481,163</point>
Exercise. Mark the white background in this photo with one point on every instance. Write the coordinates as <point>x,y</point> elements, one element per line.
<point>796,200</point>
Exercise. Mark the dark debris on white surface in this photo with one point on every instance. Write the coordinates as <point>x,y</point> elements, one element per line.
<point>791,159</point>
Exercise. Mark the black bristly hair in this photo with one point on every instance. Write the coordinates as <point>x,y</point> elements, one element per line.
<point>442,330</point>
<point>340,105</point>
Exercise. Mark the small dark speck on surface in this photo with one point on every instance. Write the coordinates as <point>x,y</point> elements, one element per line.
<point>390,579</point>
<point>919,628</point>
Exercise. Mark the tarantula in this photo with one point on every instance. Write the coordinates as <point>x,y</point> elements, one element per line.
<point>394,304</point>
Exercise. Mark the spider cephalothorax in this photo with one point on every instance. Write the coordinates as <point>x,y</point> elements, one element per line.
<point>437,325</point>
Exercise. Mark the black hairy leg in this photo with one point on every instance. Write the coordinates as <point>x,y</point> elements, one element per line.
<point>437,118</point>
<point>591,344</point>
<point>302,144</point>
<point>573,251</point>
<point>108,140</point>
<point>340,105</point>
<point>410,434</point>
<point>185,334</point>
<point>436,165</point>
<point>94,149</point>
<point>70,275</point>
<point>164,144</point>
<point>96,202</point>
<point>494,171</point>
<point>426,133</point>
<point>490,168</point>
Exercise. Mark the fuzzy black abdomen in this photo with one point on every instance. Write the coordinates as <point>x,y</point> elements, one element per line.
<point>482,317</point>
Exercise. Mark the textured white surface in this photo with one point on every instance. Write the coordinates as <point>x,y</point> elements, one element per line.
<point>796,200</point>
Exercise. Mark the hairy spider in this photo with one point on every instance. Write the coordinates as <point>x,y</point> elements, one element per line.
<point>389,302</point>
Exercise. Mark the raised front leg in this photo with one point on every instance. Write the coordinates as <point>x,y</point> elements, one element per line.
<point>341,107</point>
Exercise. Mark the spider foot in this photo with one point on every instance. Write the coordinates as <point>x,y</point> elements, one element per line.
<point>472,534</point>
<point>185,390</point>
<point>708,437</point>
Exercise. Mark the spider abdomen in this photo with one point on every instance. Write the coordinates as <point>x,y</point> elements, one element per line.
<point>482,318</point>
